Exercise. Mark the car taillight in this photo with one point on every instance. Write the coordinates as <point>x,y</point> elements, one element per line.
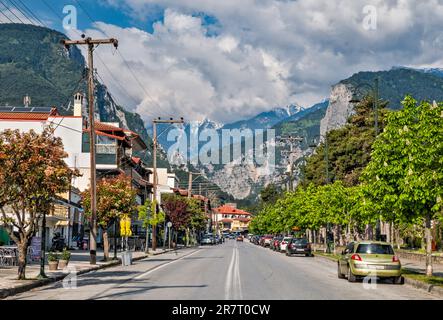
<point>283,242</point>
<point>308,246</point>
<point>356,257</point>
<point>395,259</point>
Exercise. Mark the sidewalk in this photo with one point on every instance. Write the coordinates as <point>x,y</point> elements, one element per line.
<point>9,285</point>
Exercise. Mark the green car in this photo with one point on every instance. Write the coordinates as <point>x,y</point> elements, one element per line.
<point>369,258</point>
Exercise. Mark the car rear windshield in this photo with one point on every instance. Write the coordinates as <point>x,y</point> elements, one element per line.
<point>287,239</point>
<point>374,248</point>
<point>300,241</point>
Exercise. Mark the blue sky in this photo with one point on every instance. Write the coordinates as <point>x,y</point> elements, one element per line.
<point>97,10</point>
<point>228,60</point>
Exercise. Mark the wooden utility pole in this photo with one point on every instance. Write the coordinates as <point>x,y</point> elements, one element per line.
<point>91,43</point>
<point>154,161</point>
<point>190,182</point>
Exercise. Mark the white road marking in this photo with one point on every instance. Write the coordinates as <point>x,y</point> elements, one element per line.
<point>233,282</point>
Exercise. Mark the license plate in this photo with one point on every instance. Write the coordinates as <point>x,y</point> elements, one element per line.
<point>376,267</point>
<point>300,249</point>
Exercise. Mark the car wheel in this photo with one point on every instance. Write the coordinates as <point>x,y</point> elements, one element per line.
<point>351,276</point>
<point>340,275</point>
<point>287,253</point>
<point>399,280</point>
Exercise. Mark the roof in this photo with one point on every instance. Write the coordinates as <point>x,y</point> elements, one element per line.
<point>226,220</point>
<point>231,210</point>
<point>106,127</point>
<point>243,219</point>
<point>30,114</point>
<point>24,116</point>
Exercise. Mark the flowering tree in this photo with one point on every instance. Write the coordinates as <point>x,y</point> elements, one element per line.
<point>115,198</point>
<point>405,174</point>
<point>32,173</point>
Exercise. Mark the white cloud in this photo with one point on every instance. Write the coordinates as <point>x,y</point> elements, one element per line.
<point>265,53</point>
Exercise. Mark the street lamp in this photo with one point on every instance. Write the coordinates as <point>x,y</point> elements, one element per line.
<point>375,89</point>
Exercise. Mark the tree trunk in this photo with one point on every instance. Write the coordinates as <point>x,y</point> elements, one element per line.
<point>147,240</point>
<point>22,251</point>
<point>187,237</point>
<point>154,238</point>
<point>428,236</point>
<point>105,244</point>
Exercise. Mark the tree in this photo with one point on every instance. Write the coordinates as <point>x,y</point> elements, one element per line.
<point>115,198</point>
<point>405,174</point>
<point>150,217</point>
<point>32,174</point>
<point>185,214</point>
<point>349,148</point>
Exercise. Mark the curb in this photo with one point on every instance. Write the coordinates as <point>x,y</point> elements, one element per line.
<point>4,293</point>
<point>430,288</point>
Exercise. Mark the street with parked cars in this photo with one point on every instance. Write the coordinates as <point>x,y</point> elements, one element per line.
<point>359,260</point>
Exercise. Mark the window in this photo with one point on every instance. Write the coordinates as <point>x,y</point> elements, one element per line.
<point>375,248</point>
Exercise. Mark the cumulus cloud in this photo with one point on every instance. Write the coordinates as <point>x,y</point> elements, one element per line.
<point>261,53</point>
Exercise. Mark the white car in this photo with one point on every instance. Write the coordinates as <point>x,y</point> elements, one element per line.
<point>284,243</point>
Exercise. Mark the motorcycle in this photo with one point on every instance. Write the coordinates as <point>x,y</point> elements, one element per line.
<point>58,243</point>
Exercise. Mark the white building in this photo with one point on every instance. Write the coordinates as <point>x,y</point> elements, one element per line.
<point>166,182</point>
<point>113,156</point>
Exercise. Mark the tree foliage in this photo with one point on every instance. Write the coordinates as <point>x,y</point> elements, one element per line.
<point>115,198</point>
<point>32,173</point>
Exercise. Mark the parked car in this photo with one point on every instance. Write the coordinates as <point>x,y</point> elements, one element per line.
<point>299,246</point>
<point>207,240</point>
<point>364,258</point>
<point>255,239</point>
<point>283,244</point>
<point>266,241</point>
<point>275,243</point>
<point>240,238</point>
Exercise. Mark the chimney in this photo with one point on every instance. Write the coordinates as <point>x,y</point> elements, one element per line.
<point>78,102</point>
<point>27,101</point>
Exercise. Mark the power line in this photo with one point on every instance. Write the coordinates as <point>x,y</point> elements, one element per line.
<point>7,8</point>
<point>32,13</point>
<point>121,56</point>
<point>6,16</point>
<point>21,11</point>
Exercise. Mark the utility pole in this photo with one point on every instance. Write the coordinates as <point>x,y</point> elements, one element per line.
<point>91,43</point>
<point>155,122</point>
<point>190,181</point>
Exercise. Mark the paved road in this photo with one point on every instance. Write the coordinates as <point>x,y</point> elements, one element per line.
<point>233,270</point>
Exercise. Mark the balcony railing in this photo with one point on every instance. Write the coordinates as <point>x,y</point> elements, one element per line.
<point>106,149</point>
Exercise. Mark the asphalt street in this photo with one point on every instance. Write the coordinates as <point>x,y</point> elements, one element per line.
<point>230,271</point>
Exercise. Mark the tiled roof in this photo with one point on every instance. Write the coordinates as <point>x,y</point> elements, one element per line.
<point>24,116</point>
<point>226,220</point>
<point>231,210</point>
<point>106,127</point>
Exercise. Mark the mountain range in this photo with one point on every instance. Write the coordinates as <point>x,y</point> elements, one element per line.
<point>32,62</point>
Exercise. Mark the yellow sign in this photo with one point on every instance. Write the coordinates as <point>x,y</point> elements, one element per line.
<point>125,226</point>
<point>295,229</point>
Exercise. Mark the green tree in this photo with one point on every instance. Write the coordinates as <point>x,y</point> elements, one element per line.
<point>405,174</point>
<point>147,213</point>
<point>32,174</point>
<point>115,198</point>
<point>349,147</point>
